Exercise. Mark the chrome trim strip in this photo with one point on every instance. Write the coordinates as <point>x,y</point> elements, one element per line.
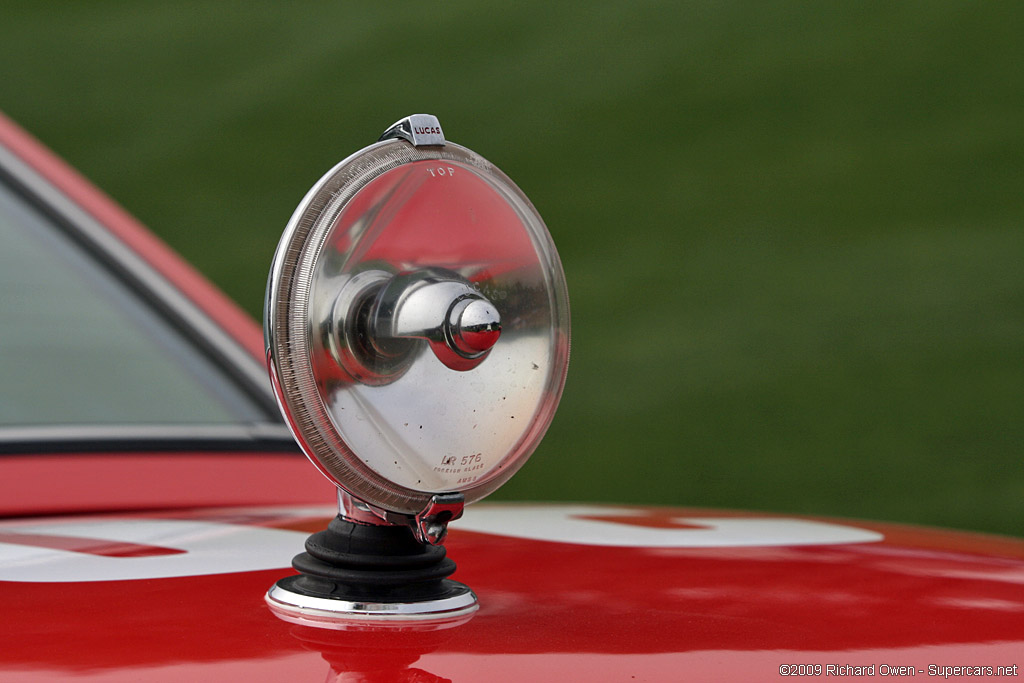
<point>121,438</point>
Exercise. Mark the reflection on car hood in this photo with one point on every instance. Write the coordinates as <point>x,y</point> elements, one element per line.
<point>579,592</point>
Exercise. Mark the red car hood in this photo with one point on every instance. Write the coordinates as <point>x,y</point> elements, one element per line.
<point>571,592</point>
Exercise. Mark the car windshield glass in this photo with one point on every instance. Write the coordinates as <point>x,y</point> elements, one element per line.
<point>79,347</point>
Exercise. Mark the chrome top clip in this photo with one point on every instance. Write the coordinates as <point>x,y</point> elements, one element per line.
<point>419,129</point>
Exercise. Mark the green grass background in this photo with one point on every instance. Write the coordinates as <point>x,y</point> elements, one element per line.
<point>793,232</point>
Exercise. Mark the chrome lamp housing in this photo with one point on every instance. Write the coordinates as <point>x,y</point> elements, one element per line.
<point>417,335</point>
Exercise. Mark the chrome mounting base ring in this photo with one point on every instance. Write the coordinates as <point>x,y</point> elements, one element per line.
<point>443,612</point>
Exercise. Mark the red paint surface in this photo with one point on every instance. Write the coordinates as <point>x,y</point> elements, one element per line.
<point>558,611</point>
<point>88,482</point>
